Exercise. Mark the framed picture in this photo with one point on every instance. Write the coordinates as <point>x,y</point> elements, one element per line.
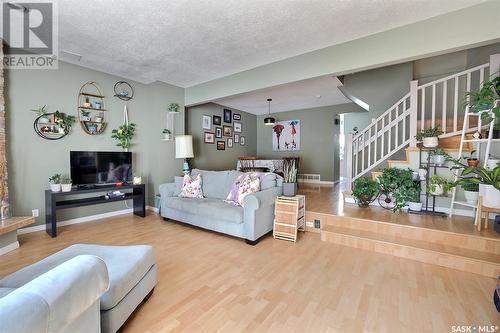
<point>218,132</point>
<point>236,116</point>
<point>286,135</point>
<point>229,143</point>
<point>221,145</point>
<point>236,138</point>
<point>216,120</point>
<point>206,122</point>
<point>209,137</point>
<point>228,116</point>
<point>227,130</point>
<point>237,127</point>
<point>242,141</point>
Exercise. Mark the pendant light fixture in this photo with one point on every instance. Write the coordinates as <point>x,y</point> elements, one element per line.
<point>269,121</point>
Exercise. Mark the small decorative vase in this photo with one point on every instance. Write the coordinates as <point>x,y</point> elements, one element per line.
<point>430,142</point>
<point>289,189</point>
<point>55,187</point>
<point>5,210</point>
<point>66,187</point>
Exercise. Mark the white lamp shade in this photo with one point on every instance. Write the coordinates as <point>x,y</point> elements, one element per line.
<point>184,146</point>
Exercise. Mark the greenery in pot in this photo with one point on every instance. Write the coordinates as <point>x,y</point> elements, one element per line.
<point>124,134</point>
<point>438,185</point>
<point>484,176</point>
<point>484,99</point>
<point>439,156</point>
<point>470,186</point>
<point>166,131</point>
<point>64,121</point>
<point>364,191</point>
<point>173,108</point>
<point>471,160</point>
<point>428,133</point>
<point>290,170</point>
<point>55,179</point>
<point>399,184</point>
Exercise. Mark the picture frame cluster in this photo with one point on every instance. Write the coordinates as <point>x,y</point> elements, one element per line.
<point>225,131</point>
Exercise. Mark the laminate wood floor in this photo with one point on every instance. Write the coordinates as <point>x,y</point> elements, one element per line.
<point>209,282</point>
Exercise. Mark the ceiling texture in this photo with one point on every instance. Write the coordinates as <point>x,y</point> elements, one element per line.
<point>187,42</point>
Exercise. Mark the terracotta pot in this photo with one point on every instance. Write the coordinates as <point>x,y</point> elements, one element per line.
<point>473,162</point>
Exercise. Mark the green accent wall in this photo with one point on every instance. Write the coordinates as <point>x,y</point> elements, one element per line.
<point>206,156</point>
<point>318,139</point>
<point>32,160</point>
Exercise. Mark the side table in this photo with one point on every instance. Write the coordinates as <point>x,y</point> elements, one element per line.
<point>289,217</point>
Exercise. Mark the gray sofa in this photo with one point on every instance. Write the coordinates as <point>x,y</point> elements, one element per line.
<point>64,299</point>
<point>250,222</point>
<point>132,278</point>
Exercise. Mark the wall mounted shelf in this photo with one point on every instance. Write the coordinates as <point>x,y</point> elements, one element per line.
<point>91,111</point>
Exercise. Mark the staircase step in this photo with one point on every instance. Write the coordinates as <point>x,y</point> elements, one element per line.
<point>421,231</point>
<point>486,264</point>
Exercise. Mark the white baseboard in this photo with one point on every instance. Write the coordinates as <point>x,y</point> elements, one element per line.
<point>8,248</point>
<point>83,219</point>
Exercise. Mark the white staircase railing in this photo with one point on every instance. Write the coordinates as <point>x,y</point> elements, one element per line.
<point>439,102</point>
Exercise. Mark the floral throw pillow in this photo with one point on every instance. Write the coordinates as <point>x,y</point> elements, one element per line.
<point>248,186</point>
<point>191,188</point>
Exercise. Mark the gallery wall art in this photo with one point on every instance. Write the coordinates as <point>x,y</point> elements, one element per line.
<point>286,135</point>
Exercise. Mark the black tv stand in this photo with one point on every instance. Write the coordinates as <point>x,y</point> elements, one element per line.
<point>56,200</point>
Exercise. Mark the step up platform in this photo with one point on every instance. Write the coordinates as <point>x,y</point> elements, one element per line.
<point>435,240</point>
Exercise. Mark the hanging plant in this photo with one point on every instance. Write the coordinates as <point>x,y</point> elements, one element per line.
<point>173,108</point>
<point>124,134</point>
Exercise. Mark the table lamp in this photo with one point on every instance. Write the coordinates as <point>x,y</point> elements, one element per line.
<point>184,149</point>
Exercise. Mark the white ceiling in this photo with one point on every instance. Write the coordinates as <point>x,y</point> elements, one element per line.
<point>186,42</point>
<point>292,96</point>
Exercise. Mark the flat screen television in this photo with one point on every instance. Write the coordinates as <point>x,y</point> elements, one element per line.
<point>100,167</point>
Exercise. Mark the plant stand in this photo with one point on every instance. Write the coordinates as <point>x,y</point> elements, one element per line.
<point>428,210</point>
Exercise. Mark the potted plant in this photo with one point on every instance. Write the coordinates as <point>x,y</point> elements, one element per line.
<point>290,177</point>
<point>396,184</point>
<point>488,180</point>
<point>429,137</point>
<point>167,135</point>
<point>471,160</point>
<point>364,191</point>
<point>55,183</point>
<point>124,134</point>
<point>85,115</point>
<point>483,100</point>
<point>40,112</point>
<point>66,184</point>
<point>173,108</point>
<point>492,162</point>
<point>438,185</point>
<point>439,156</point>
<point>471,192</point>
<point>64,121</point>
<point>414,203</point>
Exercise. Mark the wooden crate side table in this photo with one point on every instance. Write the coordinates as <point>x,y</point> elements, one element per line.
<point>289,217</point>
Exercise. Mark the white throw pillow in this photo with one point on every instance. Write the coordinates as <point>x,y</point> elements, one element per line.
<point>247,186</point>
<point>191,188</point>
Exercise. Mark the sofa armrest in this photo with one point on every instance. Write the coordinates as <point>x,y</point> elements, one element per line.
<point>256,200</point>
<point>168,190</point>
<point>59,297</point>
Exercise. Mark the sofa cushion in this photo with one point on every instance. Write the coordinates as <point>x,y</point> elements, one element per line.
<point>268,181</point>
<point>126,265</point>
<point>6,291</point>
<point>214,183</point>
<point>191,188</point>
<point>210,208</point>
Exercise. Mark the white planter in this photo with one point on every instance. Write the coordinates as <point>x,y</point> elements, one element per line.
<point>439,190</point>
<point>167,136</point>
<point>492,163</point>
<point>431,142</point>
<point>439,159</point>
<point>55,187</point>
<point>415,206</point>
<point>491,196</point>
<point>471,197</point>
<point>422,173</point>
<point>66,187</point>
<point>415,175</point>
